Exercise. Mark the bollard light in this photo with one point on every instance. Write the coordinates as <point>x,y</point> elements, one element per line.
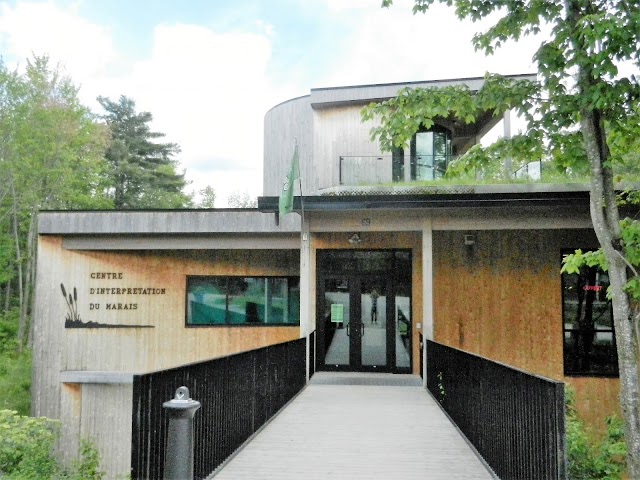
<point>178,460</point>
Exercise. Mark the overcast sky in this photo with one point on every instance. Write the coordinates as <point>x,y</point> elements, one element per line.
<point>208,70</point>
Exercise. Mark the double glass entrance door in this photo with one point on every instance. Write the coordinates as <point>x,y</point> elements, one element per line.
<point>355,330</point>
<point>363,323</point>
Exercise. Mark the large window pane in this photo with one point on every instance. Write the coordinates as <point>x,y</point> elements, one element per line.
<point>243,301</point>
<point>589,339</point>
<point>430,152</point>
<point>424,156</point>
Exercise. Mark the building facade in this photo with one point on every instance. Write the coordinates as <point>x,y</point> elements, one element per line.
<point>373,260</point>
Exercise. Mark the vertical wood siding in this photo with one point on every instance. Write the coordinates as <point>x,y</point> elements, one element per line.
<point>323,135</point>
<point>339,131</point>
<point>285,124</point>
<point>102,410</point>
<point>501,298</point>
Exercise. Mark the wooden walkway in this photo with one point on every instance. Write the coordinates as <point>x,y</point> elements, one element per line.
<point>358,426</point>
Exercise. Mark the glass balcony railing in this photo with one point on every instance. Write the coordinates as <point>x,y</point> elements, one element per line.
<point>366,170</point>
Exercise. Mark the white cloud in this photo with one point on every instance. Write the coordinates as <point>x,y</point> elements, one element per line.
<point>340,5</point>
<point>393,45</point>
<point>208,91</point>
<point>30,28</point>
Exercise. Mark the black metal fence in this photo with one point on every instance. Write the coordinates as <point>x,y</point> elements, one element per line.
<point>312,354</point>
<point>238,393</point>
<point>515,420</point>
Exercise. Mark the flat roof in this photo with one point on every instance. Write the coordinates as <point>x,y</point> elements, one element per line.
<point>169,222</point>
<point>363,94</point>
<point>430,201</point>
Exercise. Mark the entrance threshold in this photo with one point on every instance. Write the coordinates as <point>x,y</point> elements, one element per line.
<point>362,378</point>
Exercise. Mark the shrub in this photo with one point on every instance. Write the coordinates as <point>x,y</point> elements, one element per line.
<point>88,466</point>
<point>588,459</point>
<point>15,367</point>
<point>15,381</point>
<point>26,446</point>
<point>26,451</point>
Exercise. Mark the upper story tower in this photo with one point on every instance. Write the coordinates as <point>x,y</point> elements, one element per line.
<point>335,148</point>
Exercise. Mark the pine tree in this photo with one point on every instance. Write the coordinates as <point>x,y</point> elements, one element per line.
<point>142,170</point>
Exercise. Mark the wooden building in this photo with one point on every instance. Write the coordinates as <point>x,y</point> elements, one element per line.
<point>375,263</point>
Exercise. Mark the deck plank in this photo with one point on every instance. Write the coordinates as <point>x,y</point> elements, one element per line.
<point>358,432</point>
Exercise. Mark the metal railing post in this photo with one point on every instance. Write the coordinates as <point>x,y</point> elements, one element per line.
<point>178,463</point>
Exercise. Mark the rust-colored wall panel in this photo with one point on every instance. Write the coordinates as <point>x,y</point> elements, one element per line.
<point>596,398</point>
<point>501,298</point>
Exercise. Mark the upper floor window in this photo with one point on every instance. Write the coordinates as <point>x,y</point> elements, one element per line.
<point>243,300</point>
<point>430,153</point>
<point>589,336</point>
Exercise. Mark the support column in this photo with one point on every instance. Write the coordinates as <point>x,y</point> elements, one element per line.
<point>306,317</point>
<point>508,164</point>
<point>427,290</point>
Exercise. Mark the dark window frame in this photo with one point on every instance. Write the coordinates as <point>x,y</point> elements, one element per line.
<point>439,161</point>
<point>228,323</point>
<point>575,362</point>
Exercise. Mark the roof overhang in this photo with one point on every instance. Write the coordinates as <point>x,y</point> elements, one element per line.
<point>164,222</point>
<point>483,197</point>
<point>364,94</point>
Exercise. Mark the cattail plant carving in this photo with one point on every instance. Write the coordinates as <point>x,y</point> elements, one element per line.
<point>72,304</point>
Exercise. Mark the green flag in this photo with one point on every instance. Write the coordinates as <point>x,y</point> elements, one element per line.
<point>286,196</point>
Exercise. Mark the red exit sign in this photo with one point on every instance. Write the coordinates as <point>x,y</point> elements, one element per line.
<point>592,288</point>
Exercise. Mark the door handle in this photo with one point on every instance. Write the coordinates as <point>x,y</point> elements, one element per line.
<point>361,329</point>
<point>348,330</point>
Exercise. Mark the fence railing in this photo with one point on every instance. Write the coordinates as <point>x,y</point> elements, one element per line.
<point>514,420</point>
<point>367,170</point>
<point>238,393</point>
<point>377,169</point>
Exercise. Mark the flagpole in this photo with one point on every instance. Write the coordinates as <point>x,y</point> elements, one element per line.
<point>295,139</point>
<point>303,260</point>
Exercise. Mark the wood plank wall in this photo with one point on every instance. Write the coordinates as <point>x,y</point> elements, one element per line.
<point>103,410</point>
<point>501,298</point>
<point>338,132</point>
<point>285,125</point>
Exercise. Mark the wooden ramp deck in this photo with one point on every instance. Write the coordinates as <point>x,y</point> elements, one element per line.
<point>358,426</point>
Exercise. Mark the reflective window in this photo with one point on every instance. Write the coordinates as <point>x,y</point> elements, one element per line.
<point>243,301</point>
<point>589,340</point>
<point>430,154</point>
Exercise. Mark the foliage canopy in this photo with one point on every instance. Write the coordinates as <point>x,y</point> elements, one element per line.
<point>582,114</point>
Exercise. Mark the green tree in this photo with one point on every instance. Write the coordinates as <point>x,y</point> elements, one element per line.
<point>51,157</point>
<point>581,115</point>
<point>142,170</point>
<point>242,200</point>
<point>207,197</point>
